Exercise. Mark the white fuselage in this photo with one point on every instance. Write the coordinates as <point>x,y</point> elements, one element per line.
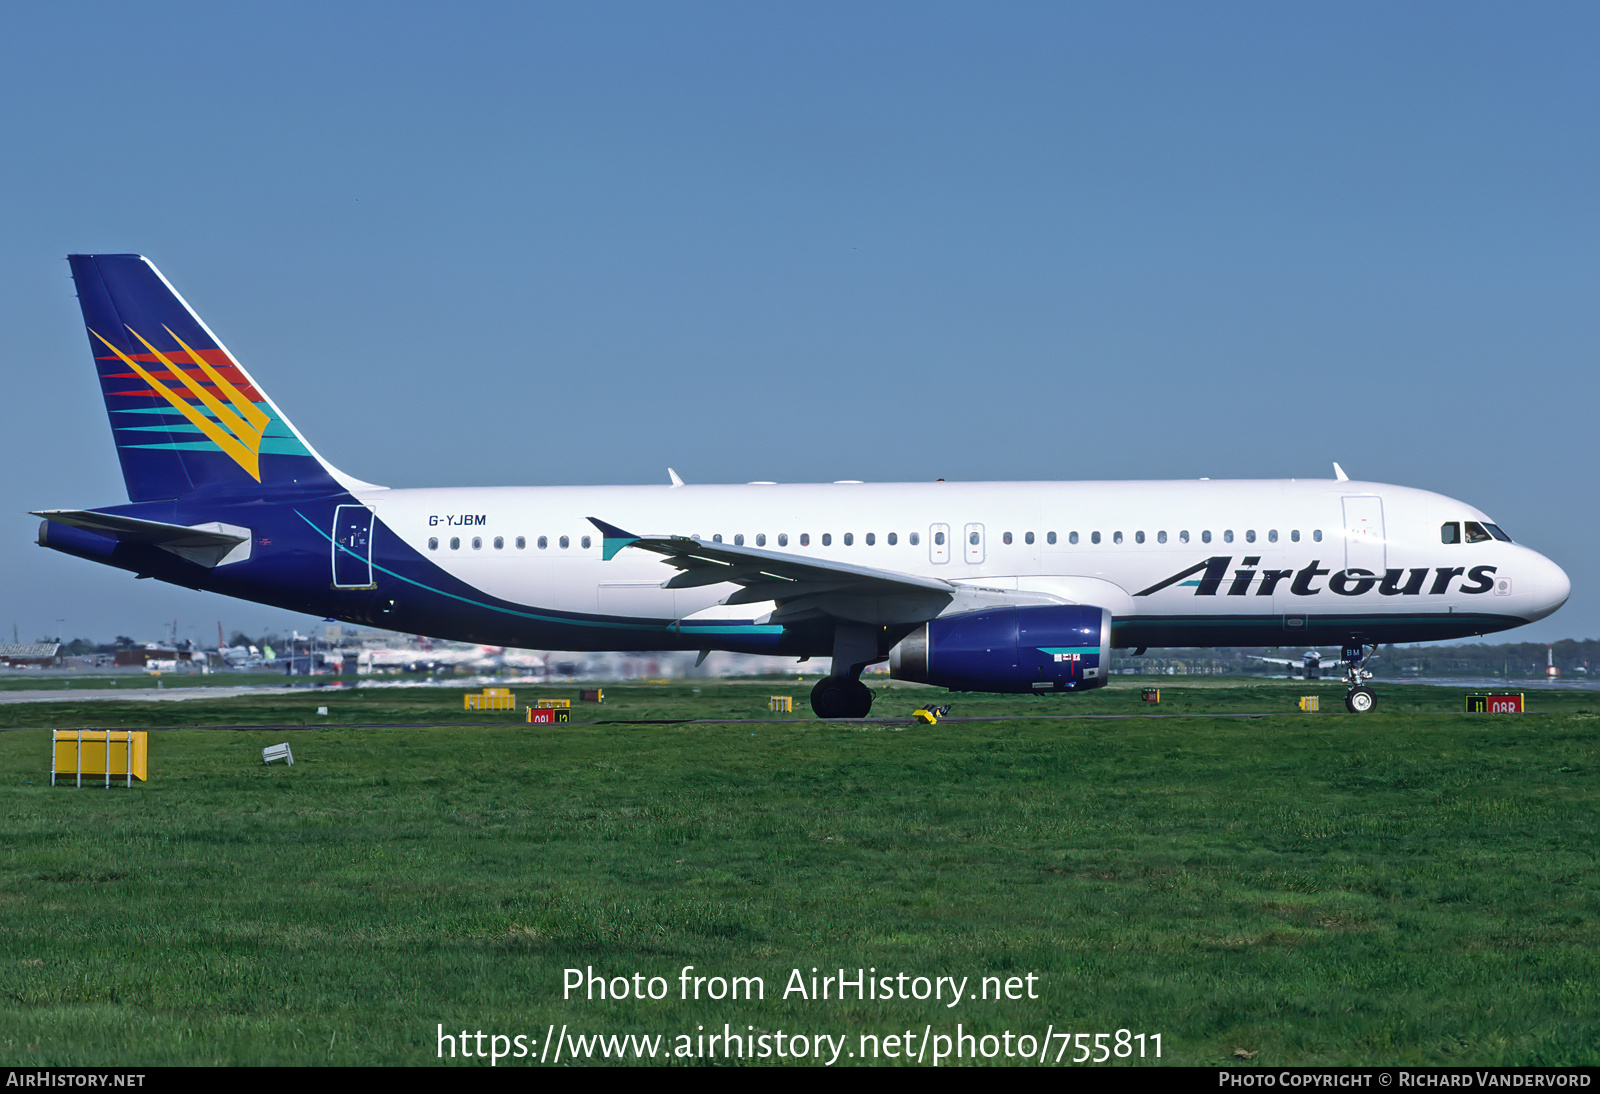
<point>1287,546</point>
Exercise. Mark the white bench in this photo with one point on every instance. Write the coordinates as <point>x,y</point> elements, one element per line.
<point>277,752</point>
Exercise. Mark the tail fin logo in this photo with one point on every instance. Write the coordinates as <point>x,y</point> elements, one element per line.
<point>239,424</point>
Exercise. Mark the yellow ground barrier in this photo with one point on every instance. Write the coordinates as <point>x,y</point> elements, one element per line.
<point>102,752</point>
<point>490,699</point>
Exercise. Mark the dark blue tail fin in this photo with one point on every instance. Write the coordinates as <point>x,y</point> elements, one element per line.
<point>185,415</point>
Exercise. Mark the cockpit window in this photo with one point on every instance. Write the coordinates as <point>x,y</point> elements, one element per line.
<point>1450,532</point>
<point>1494,530</point>
<point>1476,533</point>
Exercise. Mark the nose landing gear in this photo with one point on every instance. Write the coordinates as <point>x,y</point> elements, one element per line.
<point>1359,699</point>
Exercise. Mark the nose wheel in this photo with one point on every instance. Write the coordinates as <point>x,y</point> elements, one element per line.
<point>1360,699</point>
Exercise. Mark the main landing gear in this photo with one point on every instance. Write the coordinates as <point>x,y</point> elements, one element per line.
<point>842,694</point>
<point>834,697</point>
<point>1359,699</point>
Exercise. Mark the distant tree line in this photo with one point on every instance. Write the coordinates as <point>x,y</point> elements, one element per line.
<point>1512,660</point>
<point>1574,657</point>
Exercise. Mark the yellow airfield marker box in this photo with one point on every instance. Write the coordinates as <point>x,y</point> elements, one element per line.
<point>102,752</point>
<point>490,699</point>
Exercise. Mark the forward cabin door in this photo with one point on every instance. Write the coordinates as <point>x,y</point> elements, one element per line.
<point>939,543</point>
<point>1364,544</point>
<point>352,547</point>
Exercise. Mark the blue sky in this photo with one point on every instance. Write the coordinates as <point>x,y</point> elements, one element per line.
<point>525,244</point>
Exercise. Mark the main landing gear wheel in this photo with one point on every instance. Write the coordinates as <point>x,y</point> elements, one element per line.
<point>837,698</point>
<point>1360,700</point>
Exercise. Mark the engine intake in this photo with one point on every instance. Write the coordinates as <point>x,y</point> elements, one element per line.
<point>1038,648</point>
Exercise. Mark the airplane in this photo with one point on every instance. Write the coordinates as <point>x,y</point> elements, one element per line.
<point>242,658</point>
<point>1310,663</point>
<point>987,586</point>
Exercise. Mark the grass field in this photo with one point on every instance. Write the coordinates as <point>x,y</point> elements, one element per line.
<point>1412,886</point>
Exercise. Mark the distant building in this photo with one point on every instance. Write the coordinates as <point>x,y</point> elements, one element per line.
<point>26,655</point>
<point>142,656</point>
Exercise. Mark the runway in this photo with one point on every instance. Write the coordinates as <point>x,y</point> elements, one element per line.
<point>131,695</point>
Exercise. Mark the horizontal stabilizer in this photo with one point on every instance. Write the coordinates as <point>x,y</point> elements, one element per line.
<point>207,545</point>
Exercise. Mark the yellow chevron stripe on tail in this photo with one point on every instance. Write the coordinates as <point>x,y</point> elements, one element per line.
<point>241,441</point>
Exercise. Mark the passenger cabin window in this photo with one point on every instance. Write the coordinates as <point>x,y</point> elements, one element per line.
<point>1183,536</point>
<point>1161,537</point>
<point>1272,536</point>
<point>1294,536</point>
<point>433,543</point>
<point>1049,537</point>
<point>544,542</point>
<point>1028,538</point>
<point>477,543</point>
<point>738,540</point>
<point>783,539</point>
<point>1138,537</point>
<point>565,543</point>
<point>1072,537</point>
<point>455,543</point>
<point>1205,537</point>
<point>805,539</point>
<point>1316,535</point>
<point>849,539</point>
<point>938,539</point>
<point>1250,535</point>
<point>1227,536</point>
<point>1094,537</point>
<point>915,538</point>
<point>893,539</point>
<point>1005,537</point>
<point>872,538</point>
<point>499,542</point>
<point>761,539</point>
<point>1116,537</point>
<point>714,539</point>
<point>827,539</point>
<point>522,543</point>
<point>586,542</point>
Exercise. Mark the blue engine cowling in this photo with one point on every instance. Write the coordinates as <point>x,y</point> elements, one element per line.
<point>1038,648</point>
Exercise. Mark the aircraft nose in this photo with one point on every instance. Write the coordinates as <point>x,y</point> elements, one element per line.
<point>1550,586</point>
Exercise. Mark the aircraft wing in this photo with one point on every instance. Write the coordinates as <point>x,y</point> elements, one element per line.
<point>803,587</point>
<point>1276,660</point>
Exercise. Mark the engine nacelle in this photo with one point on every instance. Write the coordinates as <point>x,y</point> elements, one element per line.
<point>1045,647</point>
